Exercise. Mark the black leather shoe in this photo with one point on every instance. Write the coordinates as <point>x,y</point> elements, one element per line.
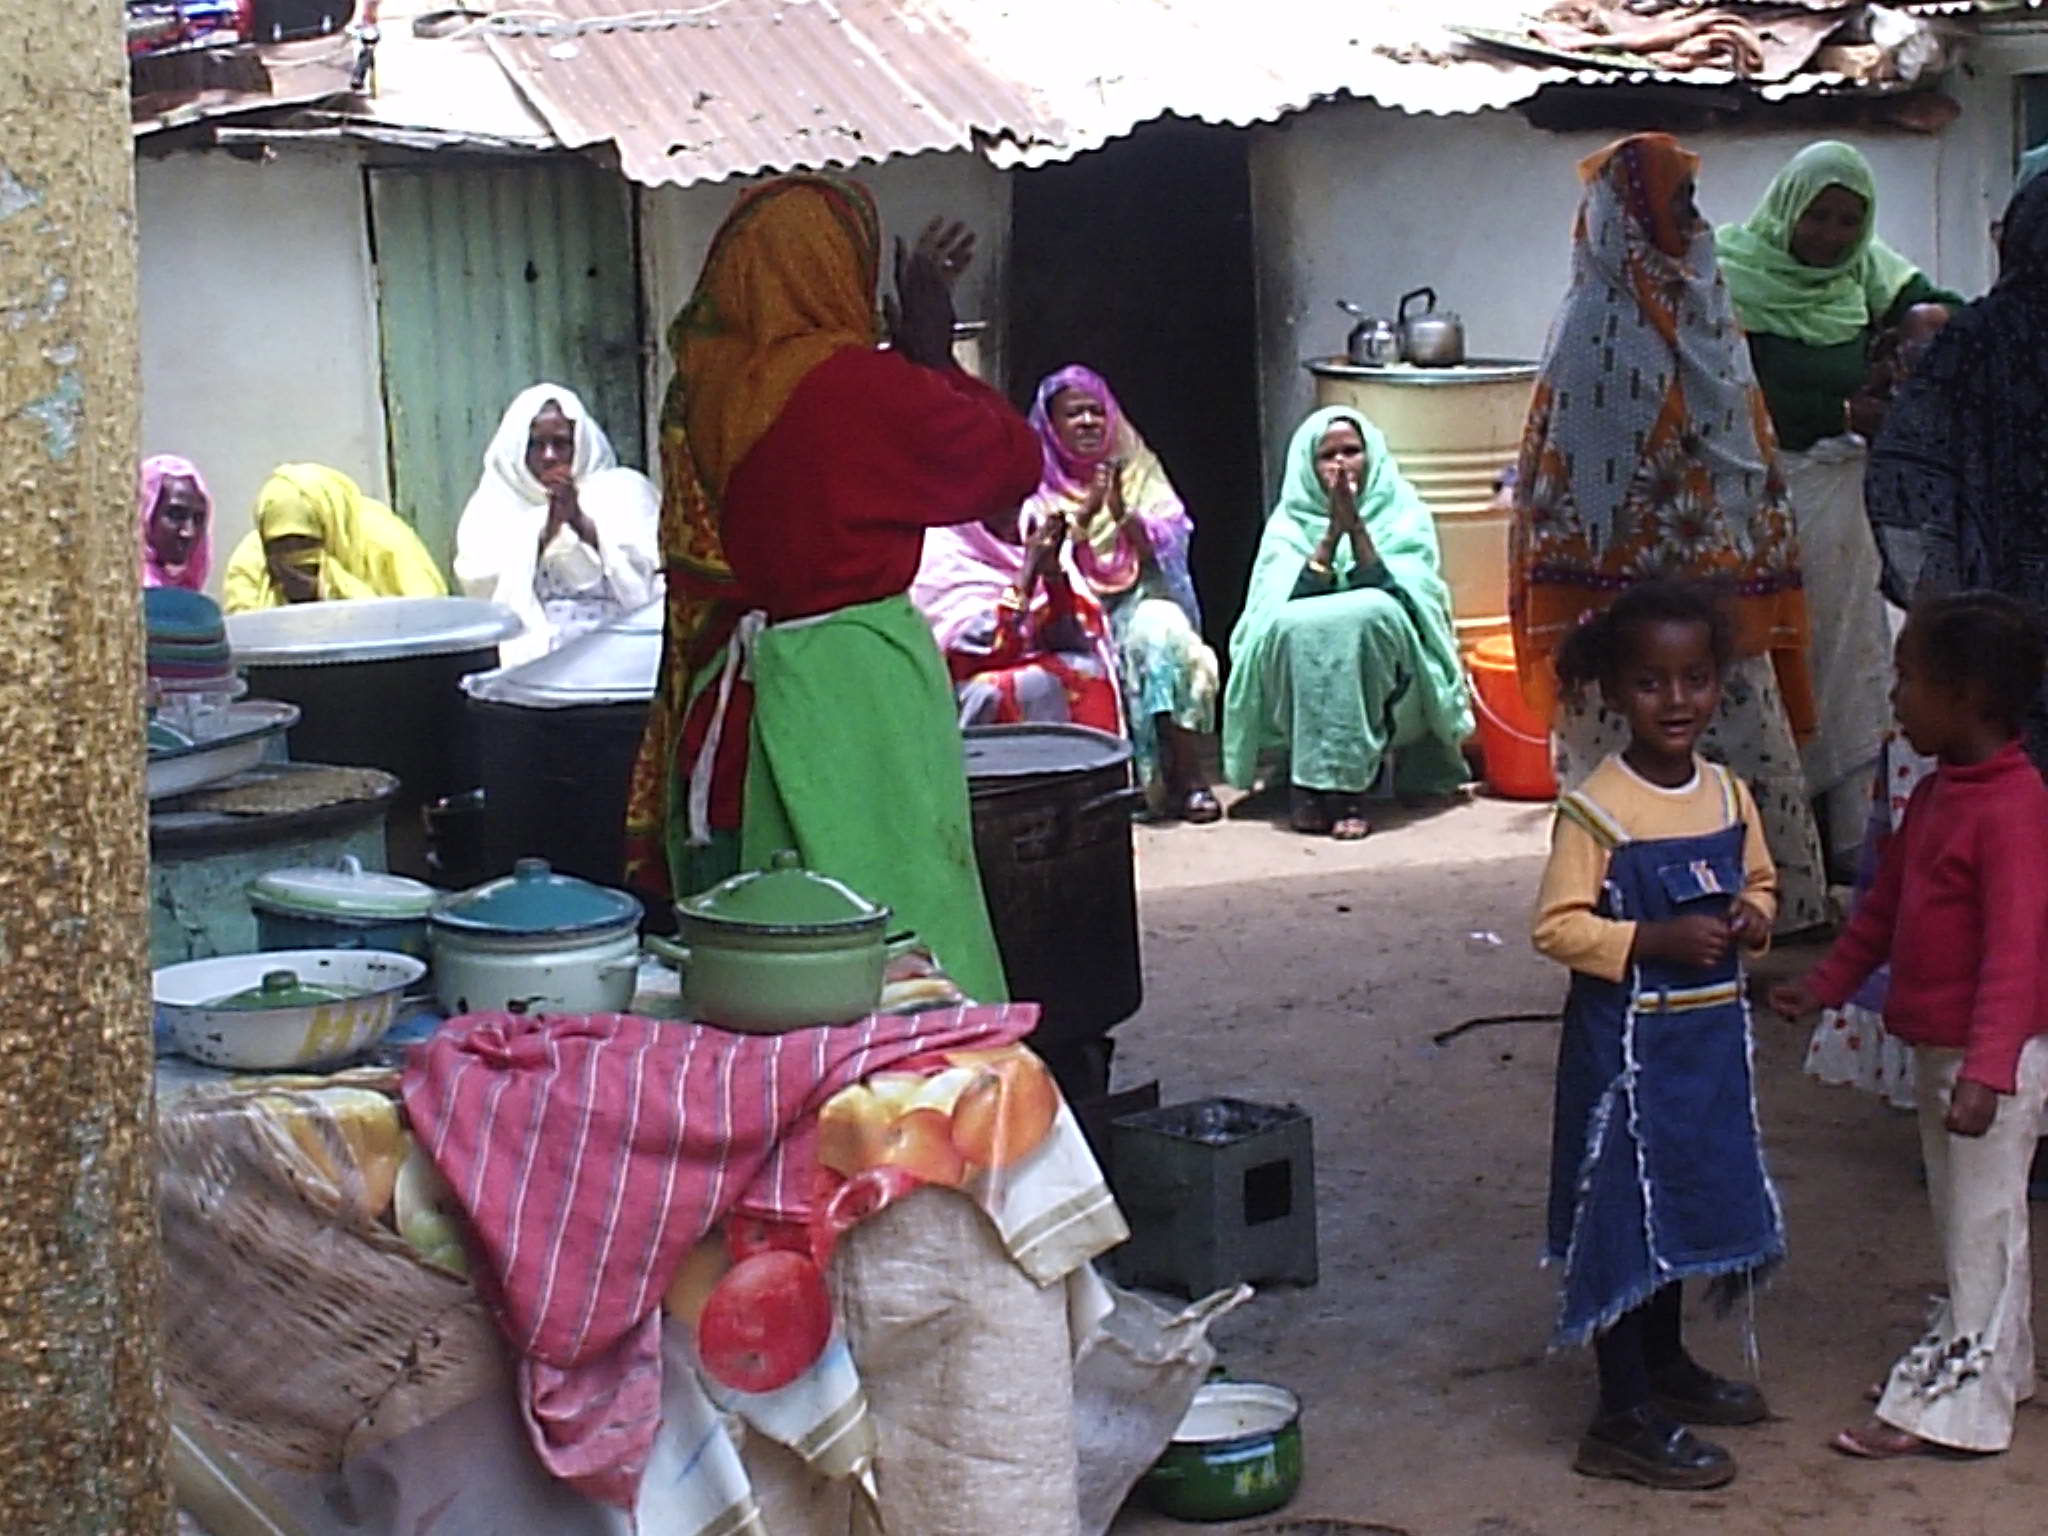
<point>1692,1394</point>
<point>1642,1446</point>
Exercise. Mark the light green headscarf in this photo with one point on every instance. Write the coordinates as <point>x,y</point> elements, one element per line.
<point>1404,535</point>
<point>1776,293</point>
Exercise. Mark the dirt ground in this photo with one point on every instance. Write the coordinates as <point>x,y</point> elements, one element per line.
<point>1286,969</point>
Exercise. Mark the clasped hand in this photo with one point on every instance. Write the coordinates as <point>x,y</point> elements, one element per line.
<point>565,511</point>
<point>1345,522</point>
<point>1701,940</point>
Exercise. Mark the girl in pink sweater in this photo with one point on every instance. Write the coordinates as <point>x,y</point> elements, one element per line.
<point>1960,910</point>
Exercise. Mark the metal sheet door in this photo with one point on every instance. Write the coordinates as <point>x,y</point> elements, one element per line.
<point>490,278</point>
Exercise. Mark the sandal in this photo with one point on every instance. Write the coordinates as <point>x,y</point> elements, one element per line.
<point>1307,812</point>
<point>1200,807</point>
<point>1877,1441</point>
<point>1349,824</point>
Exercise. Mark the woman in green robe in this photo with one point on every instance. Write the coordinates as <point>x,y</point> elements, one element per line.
<point>1344,657</point>
<point>1815,287</point>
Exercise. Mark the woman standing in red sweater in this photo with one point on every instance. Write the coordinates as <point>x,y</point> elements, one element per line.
<point>802,703</point>
<point>1960,909</point>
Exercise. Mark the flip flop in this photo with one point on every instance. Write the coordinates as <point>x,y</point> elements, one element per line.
<point>1877,1441</point>
<point>1350,822</point>
<point>1200,807</point>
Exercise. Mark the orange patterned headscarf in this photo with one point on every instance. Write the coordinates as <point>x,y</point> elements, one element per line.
<point>788,282</point>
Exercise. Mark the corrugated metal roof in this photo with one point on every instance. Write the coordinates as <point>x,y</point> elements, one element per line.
<point>741,86</point>
<point>443,85</point>
<point>736,87</point>
<point>1228,62</point>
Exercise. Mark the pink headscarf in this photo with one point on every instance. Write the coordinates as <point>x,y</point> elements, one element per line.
<point>1110,561</point>
<point>192,574</point>
<point>1066,473</point>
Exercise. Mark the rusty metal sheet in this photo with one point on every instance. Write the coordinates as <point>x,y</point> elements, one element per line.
<point>755,85</point>
<point>251,78</point>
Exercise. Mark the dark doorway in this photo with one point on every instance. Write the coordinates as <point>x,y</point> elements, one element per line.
<point>1136,259</point>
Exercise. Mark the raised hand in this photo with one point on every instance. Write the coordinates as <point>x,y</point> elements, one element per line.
<point>920,315</point>
<point>950,246</point>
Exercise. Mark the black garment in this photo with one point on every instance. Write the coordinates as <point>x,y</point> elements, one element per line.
<point>1641,1344</point>
<point>1959,476</point>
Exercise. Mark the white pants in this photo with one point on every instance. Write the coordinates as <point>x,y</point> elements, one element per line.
<point>1959,1384</point>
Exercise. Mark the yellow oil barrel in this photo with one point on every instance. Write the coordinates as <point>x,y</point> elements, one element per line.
<point>1452,431</point>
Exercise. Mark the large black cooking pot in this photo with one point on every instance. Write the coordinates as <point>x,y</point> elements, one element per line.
<point>1052,832</point>
<point>378,685</point>
<point>556,738</point>
<point>555,785</point>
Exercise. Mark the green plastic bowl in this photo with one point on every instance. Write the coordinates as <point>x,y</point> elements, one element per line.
<point>1237,1453</point>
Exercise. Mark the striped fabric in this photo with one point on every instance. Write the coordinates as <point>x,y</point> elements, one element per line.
<point>1688,999</point>
<point>591,1153</point>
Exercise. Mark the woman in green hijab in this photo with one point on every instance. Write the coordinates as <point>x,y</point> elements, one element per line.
<point>1345,655</point>
<point>1814,286</point>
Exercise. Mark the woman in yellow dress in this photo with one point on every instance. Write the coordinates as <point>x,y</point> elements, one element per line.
<point>318,538</point>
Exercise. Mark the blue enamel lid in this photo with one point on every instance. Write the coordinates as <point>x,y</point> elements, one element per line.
<point>534,900</point>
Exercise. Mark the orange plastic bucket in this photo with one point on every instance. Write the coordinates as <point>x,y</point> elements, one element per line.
<point>1514,742</point>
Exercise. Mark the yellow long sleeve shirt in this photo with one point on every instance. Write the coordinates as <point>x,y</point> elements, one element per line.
<point>1568,928</point>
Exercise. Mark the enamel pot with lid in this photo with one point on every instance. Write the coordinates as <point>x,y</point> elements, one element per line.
<point>341,906</point>
<point>781,948</point>
<point>535,941</point>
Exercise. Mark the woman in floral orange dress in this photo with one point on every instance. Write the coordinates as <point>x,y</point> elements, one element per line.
<point>1649,452</point>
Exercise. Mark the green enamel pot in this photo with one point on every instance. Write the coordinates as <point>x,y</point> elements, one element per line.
<point>781,948</point>
<point>1236,1453</point>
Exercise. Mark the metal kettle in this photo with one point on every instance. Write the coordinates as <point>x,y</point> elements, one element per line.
<point>1434,338</point>
<point>1373,342</point>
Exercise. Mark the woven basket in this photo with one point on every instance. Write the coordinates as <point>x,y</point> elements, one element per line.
<point>296,1330</point>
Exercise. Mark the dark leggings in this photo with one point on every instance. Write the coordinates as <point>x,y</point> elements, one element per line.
<point>1642,1343</point>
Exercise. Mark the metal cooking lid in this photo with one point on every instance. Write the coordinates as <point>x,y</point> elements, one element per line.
<point>534,900</point>
<point>618,664</point>
<point>1474,370</point>
<point>367,629</point>
<point>342,889</point>
<point>279,989</point>
<point>785,896</point>
<point>1034,751</point>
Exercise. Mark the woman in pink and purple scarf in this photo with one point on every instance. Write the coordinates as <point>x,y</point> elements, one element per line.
<point>1130,542</point>
<point>176,514</point>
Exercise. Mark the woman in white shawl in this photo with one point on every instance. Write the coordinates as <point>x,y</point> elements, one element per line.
<point>556,530</point>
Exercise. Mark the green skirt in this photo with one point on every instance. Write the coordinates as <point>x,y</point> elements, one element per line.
<point>854,760</point>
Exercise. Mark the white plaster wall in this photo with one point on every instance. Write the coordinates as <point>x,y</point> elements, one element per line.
<point>259,326</point>
<point>1356,201</point>
<point>677,223</point>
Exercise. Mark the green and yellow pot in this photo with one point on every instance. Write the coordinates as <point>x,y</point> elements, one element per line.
<point>1237,1453</point>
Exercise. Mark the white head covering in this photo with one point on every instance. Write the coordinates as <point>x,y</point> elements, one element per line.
<point>505,458</point>
<point>496,553</point>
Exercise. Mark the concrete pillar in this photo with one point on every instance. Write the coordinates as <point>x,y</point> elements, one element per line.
<point>81,1436</point>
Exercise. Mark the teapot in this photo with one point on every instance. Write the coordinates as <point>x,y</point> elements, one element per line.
<point>1432,339</point>
<point>1373,342</point>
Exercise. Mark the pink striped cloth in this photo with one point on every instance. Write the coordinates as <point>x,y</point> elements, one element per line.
<point>591,1153</point>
